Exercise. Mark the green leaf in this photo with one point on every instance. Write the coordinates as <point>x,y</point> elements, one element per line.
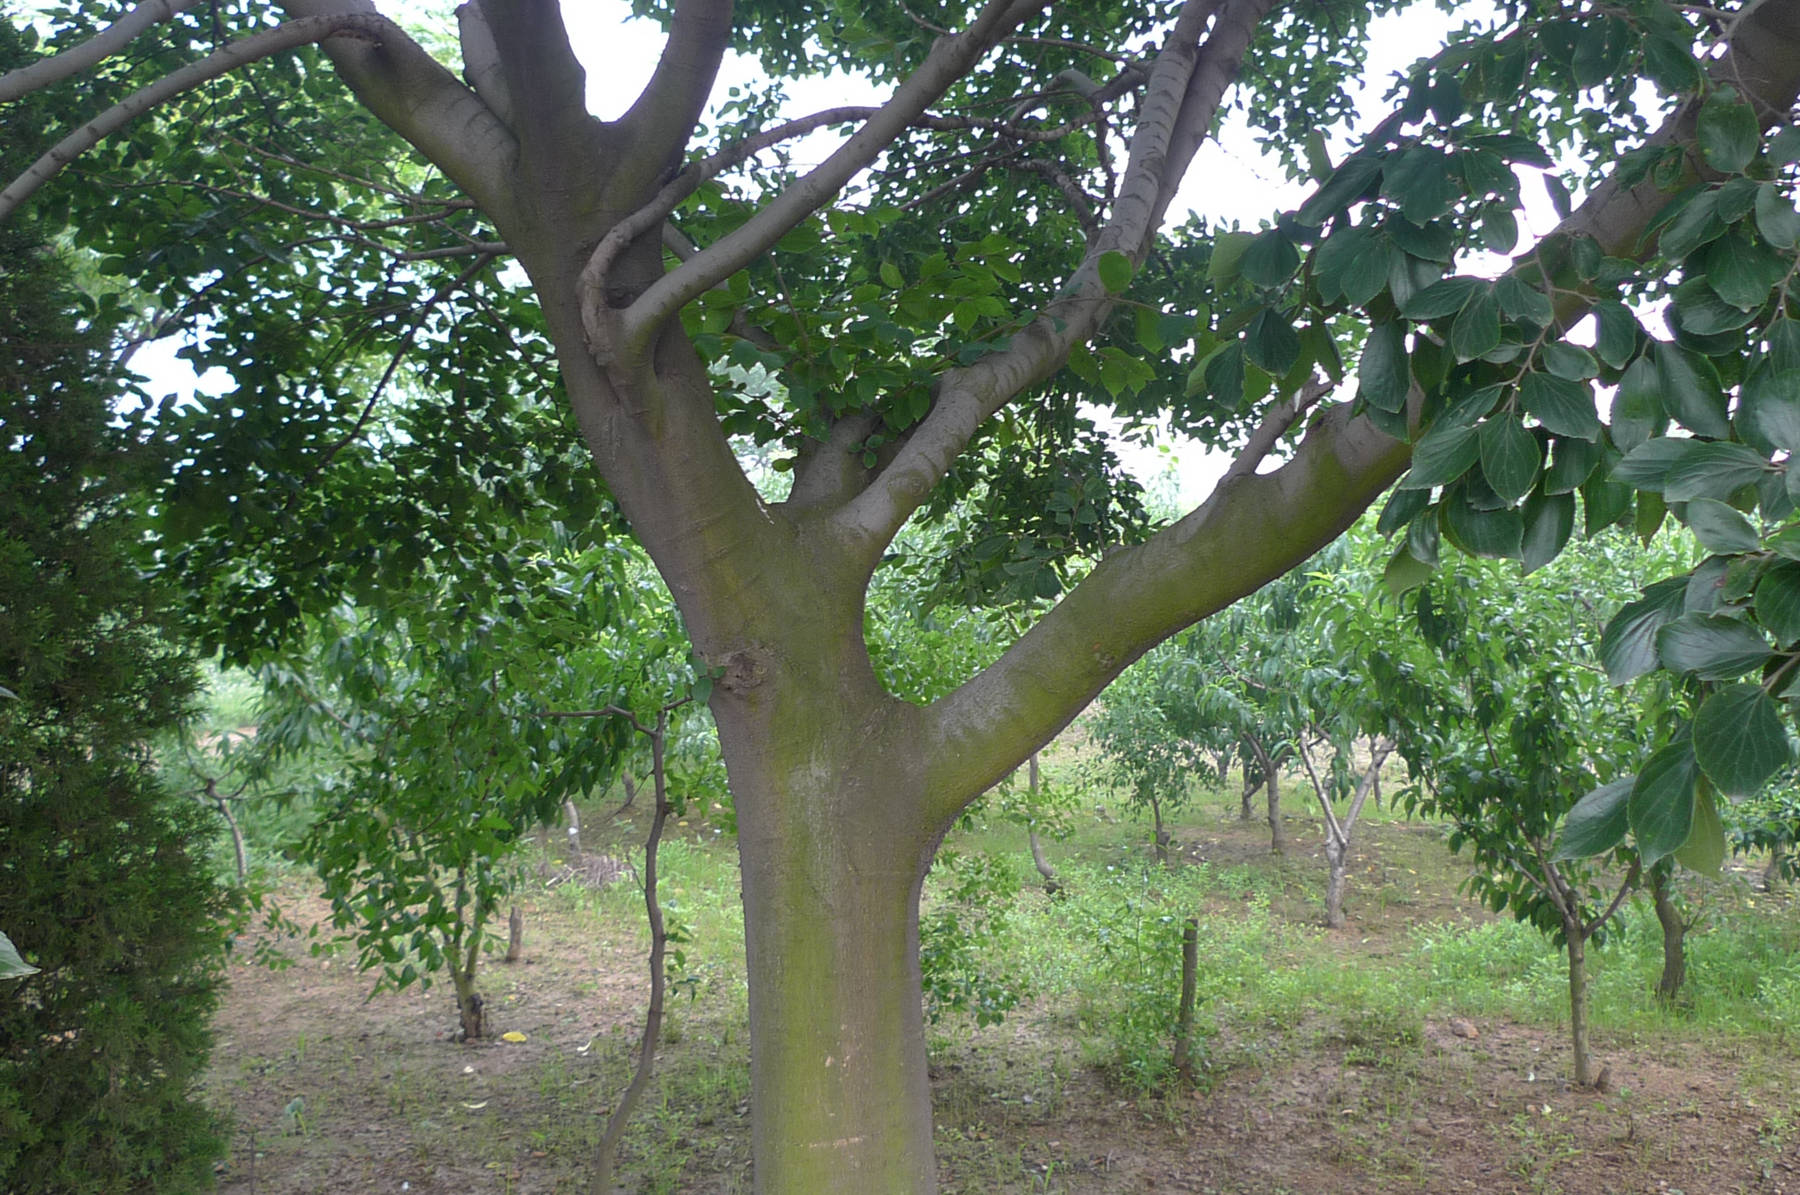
<point>1597,823</point>
<point>1270,260</point>
<point>1628,644</point>
<point>1720,528</point>
<point>1402,507</point>
<point>1549,522</point>
<point>1271,342</point>
<point>11,965</point>
<point>1637,410</point>
<point>1564,407</point>
<point>1496,533</point>
<point>1572,462</point>
<point>1739,741</point>
<point>1778,602</point>
<point>1477,328</point>
<point>1418,179</point>
<point>1521,301</point>
<point>1447,296</point>
<point>1405,572</point>
<point>1661,806</point>
<point>1727,131</point>
<point>1449,447</point>
<point>1776,218</point>
<point>1696,223</point>
<point>1711,646</point>
<point>1227,252</point>
<point>1769,410</point>
<point>1741,272</point>
<point>1346,185</point>
<point>1383,373</point>
<point>1616,339</point>
<point>1713,471</point>
<point>1704,851</point>
<point>890,276</point>
<point>1510,457</point>
<point>1115,271</point>
<point>1569,361</point>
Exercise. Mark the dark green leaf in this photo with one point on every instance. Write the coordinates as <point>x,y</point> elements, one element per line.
<point>1597,823</point>
<point>1496,533</point>
<point>1713,471</point>
<point>1563,406</point>
<point>1346,185</point>
<point>1227,254</point>
<point>1776,218</point>
<point>1444,297</point>
<point>1271,342</point>
<point>1572,461</point>
<point>1691,391</point>
<point>1778,602</point>
<point>1727,131</point>
<point>1739,741</point>
<point>1696,223</point>
<point>1522,301</point>
<point>1549,522</point>
<point>1477,327</point>
<point>1402,507</point>
<point>1617,337</point>
<point>1628,644</point>
<point>1637,411</point>
<point>1383,374</point>
<point>1270,260</point>
<point>1711,646</point>
<point>1720,528</point>
<point>1769,411</point>
<point>1510,457</point>
<point>1742,272</point>
<point>1569,361</point>
<point>1661,806</point>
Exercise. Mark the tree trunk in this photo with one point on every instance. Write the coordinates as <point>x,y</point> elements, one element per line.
<point>1774,874</point>
<point>1251,782</point>
<point>1272,781</point>
<point>834,840</point>
<point>468,1002</point>
<point>1578,1026</point>
<point>1162,835</point>
<point>1052,885</point>
<point>1184,1014</point>
<point>1052,882</point>
<point>515,935</point>
<point>1674,931</point>
<point>573,818</point>
<point>1337,859</point>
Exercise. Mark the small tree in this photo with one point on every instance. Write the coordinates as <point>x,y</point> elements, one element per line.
<point>1509,727</point>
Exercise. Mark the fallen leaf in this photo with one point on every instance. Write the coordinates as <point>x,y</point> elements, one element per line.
<point>476,1107</point>
<point>513,1036</point>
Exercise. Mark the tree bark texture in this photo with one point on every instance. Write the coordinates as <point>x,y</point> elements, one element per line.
<point>1674,939</point>
<point>1578,1010</point>
<point>1337,862</point>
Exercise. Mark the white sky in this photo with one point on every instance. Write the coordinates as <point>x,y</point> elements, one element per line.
<point>1230,179</point>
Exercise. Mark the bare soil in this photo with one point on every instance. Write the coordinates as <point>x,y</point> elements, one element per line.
<point>335,1090</point>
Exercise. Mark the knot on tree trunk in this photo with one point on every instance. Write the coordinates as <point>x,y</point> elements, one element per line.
<point>745,669</point>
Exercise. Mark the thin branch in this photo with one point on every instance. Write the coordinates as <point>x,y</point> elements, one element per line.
<point>304,31</point>
<point>1625,887</point>
<point>1274,425</point>
<point>949,59</point>
<point>1332,825</point>
<point>443,292</point>
<point>94,50</point>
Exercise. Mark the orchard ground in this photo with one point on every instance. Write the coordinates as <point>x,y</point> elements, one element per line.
<point>1422,1048</point>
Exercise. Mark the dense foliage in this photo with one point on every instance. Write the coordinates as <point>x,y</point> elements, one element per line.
<point>106,883</point>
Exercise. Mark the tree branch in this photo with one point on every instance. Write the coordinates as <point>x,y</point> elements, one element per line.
<point>412,93</point>
<point>966,397</point>
<point>948,60</point>
<point>94,50</point>
<point>661,120</point>
<point>365,26</point>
